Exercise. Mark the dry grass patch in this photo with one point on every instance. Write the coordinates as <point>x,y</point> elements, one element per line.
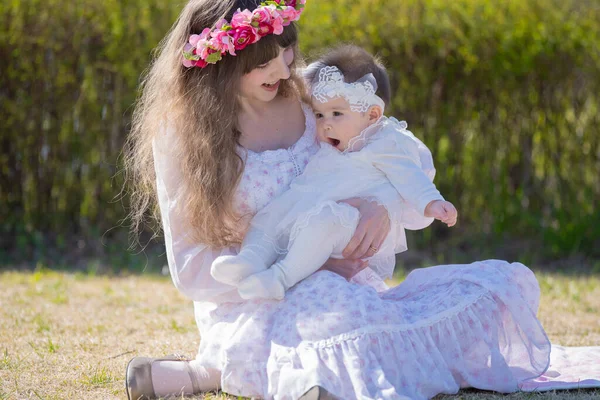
<point>69,336</point>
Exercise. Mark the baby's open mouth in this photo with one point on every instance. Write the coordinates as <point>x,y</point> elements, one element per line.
<point>333,142</point>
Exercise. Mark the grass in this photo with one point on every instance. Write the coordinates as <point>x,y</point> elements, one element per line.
<point>69,336</point>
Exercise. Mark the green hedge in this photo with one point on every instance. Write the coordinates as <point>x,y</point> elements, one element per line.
<point>68,78</point>
<point>505,94</point>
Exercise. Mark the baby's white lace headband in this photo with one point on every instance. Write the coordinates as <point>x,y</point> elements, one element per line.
<point>329,84</point>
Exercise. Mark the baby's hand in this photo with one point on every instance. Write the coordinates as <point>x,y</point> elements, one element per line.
<point>442,210</point>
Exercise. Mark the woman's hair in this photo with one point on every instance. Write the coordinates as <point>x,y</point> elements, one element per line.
<point>355,62</point>
<point>200,106</point>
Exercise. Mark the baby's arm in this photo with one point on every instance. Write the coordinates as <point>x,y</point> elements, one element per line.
<point>397,156</point>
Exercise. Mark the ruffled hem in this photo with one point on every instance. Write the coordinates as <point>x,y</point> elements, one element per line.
<point>442,329</point>
<point>412,361</point>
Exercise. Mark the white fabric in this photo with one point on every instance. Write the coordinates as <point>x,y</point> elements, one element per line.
<point>570,368</point>
<point>360,95</point>
<point>443,328</point>
<point>308,224</point>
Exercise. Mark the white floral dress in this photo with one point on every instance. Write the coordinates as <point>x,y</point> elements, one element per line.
<point>443,328</point>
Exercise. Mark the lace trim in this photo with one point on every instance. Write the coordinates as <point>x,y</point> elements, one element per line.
<point>394,328</point>
<point>346,217</point>
<point>307,138</point>
<point>358,142</point>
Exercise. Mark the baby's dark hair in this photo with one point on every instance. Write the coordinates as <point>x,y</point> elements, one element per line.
<point>355,62</point>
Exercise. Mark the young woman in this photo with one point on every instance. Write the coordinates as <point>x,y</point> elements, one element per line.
<point>221,129</point>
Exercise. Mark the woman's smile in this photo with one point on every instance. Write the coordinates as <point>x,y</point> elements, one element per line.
<point>271,87</point>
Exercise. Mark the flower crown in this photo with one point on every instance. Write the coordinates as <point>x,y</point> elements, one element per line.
<point>246,27</point>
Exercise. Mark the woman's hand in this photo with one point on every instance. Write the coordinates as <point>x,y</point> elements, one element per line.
<point>345,268</point>
<point>372,229</point>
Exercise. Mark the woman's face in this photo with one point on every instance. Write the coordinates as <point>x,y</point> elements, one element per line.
<point>262,83</point>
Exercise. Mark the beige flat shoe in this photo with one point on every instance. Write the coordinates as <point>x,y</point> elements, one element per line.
<point>317,393</point>
<point>138,377</point>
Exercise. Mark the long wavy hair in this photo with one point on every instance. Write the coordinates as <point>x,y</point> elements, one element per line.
<point>201,107</point>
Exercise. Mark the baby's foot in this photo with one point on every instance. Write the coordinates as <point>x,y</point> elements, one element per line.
<point>232,269</point>
<point>263,285</point>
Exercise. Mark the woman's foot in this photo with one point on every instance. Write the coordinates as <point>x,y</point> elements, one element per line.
<point>231,270</point>
<point>151,378</point>
<point>138,379</point>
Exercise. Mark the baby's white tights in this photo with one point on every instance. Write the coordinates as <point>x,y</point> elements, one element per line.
<point>257,275</point>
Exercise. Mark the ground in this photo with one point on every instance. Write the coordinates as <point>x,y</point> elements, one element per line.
<point>69,336</point>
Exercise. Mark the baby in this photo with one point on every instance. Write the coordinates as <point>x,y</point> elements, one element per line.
<point>363,154</point>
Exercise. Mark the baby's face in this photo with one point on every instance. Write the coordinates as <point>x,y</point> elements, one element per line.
<point>336,123</point>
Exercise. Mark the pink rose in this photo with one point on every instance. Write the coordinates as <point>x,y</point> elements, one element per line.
<point>241,18</point>
<point>203,48</point>
<point>261,19</point>
<point>189,49</point>
<point>289,14</point>
<point>277,24</point>
<point>222,41</point>
<point>243,36</point>
<point>261,15</point>
<point>221,23</point>
<point>200,63</point>
<point>265,29</point>
<point>188,63</point>
<point>194,39</point>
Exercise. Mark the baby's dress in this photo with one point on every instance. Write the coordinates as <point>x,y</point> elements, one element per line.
<point>384,160</point>
<point>441,329</point>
